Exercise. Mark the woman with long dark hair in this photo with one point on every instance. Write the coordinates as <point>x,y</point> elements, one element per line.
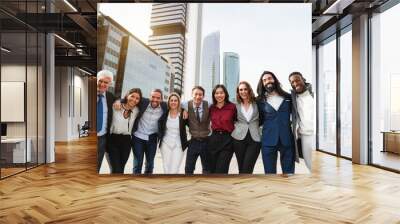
<point>246,135</point>
<point>223,116</point>
<point>121,130</point>
<point>275,108</point>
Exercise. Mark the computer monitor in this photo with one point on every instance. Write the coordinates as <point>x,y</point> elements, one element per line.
<point>3,129</point>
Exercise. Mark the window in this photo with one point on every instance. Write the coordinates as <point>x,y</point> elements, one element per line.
<point>346,93</point>
<point>385,88</point>
<point>22,65</point>
<point>327,96</point>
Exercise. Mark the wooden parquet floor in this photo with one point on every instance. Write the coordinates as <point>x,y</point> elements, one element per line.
<point>70,191</point>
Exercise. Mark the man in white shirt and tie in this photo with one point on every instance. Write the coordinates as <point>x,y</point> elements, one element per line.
<point>105,100</point>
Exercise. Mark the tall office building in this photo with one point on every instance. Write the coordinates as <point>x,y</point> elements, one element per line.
<point>168,22</point>
<point>231,73</point>
<point>210,73</point>
<point>130,60</point>
<point>141,64</point>
<point>109,41</point>
<point>193,37</point>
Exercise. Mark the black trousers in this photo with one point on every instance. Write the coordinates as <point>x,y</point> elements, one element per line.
<point>196,148</point>
<point>246,152</point>
<point>119,148</point>
<point>220,152</point>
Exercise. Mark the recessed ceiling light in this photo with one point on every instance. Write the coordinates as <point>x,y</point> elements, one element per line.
<point>64,40</point>
<point>86,72</point>
<point>70,5</point>
<point>5,50</point>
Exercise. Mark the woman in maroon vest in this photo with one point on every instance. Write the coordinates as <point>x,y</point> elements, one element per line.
<point>223,116</point>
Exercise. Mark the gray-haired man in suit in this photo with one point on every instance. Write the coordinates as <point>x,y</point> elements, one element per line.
<point>105,100</point>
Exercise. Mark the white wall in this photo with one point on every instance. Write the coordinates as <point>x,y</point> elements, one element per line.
<point>14,73</point>
<point>34,124</point>
<point>71,94</point>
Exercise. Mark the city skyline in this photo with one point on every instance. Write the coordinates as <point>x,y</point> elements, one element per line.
<point>266,36</point>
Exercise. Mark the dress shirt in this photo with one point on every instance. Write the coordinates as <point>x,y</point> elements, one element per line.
<point>222,119</point>
<point>148,123</point>
<point>185,106</point>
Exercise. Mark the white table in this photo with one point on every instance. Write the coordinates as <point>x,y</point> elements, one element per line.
<point>18,148</point>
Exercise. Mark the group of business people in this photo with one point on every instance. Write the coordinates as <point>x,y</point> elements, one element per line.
<point>217,129</point>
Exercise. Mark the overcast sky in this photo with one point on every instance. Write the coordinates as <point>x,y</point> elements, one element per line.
<point>274,37</point>
<point>135,17</point>
<point>267,36</point>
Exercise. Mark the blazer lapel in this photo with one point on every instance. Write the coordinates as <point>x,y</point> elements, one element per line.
<point>284,103</point>
<point>255,109</point>
<point>269,105</point>
<point>239,112</point>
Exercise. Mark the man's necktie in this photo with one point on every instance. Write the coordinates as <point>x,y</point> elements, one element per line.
<point>99,124</point>
<point>198,114</point>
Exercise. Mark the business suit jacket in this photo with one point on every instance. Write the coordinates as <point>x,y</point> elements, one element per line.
<point>242,126</point>
<point>276,124</point>
<point>182,129</point>
<point>110,100</point>
<point>144,103</point>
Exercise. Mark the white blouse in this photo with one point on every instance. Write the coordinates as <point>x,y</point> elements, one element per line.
<point>172,137</point>
<point>121,125</point>
<point>247,114</point>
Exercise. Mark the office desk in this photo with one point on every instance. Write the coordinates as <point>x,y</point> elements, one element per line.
<point>391,141</point>
<point>13,150</point>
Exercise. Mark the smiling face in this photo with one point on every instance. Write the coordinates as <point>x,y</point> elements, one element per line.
<point>103,83</point>
<point>243,91</point>
<point>219,95</point>
<point>133,99</point>
<point>198,96</point>
<point>297,83</point>
<point>155,99</point>
<point>268,80</point>
<point>173,103</point>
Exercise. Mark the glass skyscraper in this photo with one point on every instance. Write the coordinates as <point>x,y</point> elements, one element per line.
<point>231,73</point>
<point>210,63</point>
